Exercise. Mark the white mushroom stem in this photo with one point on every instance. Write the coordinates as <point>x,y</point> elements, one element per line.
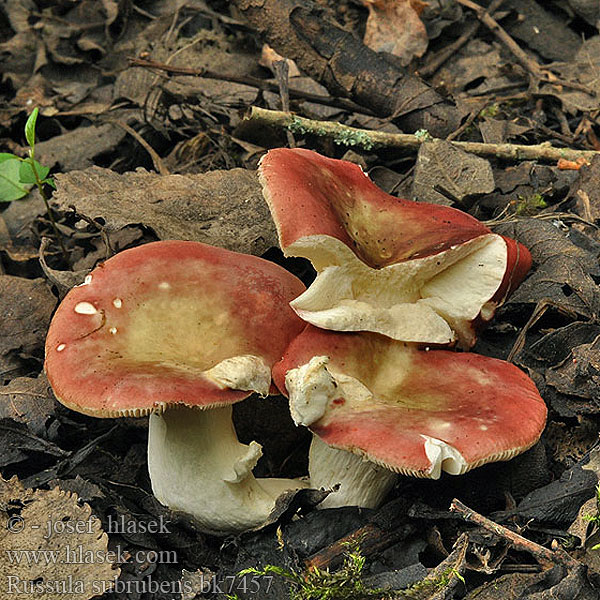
<point>197,465</point>
<point>361,482</point>
<point>311,388</point>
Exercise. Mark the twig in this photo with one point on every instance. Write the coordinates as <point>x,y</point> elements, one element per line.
<point>40,187</point>
<point>530,65</point>
<point>433,65</point>
<point>156,159</point>
<point>368,139</point>
<point>384,528</point>
<point>540,553</point>
<point>260,84</point>
<point>468,122</point>
<point>282,71</point>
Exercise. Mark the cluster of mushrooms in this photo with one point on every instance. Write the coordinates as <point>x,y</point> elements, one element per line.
<point>182,330</point>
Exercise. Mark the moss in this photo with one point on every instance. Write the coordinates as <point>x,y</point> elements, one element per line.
<point>347,582</point>
<point>423,135</point>
<point>491,110</point>
<point>343,136</point>
<point>529,205</point>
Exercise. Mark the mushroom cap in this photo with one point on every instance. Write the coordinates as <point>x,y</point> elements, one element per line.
<point>370,248</point>
<point>310,194</point>
<point>413,411</point>
<point>169,323</point>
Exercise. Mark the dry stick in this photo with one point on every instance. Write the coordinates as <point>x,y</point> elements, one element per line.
<point>260,84</point>
<point>540,553</point>
<point>369,140</point>
<point>433,65</point>
<point>156,159</point>
<point>468,122</point>
<point>530,65</point>
<point>527,63</point>
<point>282,71</point>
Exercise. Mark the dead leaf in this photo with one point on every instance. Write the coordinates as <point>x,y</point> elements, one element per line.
<point>543,31</point>
<point>26,306</point>
<point>588,9</point>
<point>550,584</point>
<point>476,62</point>
<point>196,584</point>
<point>499,131</point>
<point>584,70</point>
<point>581,525</point>
<point>443,172</point>
<point>586,191</point>
<point>579,374</point>
<point>394,26</point>
<point>28,401</point>
<point>222,208</point>
<point>17,443</point>
<point>562,272</point>
<point>76,149</point>
<point>559,501</point>
<point>53,548</point>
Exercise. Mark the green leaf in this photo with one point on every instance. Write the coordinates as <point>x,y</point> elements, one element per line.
<point>10,185</point>
<point>50,181</point>
<point>30,127</point>
<point>7,156</point>
<point>26,174</point>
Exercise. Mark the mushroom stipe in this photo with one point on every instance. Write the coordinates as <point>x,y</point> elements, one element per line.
<point>180,331</point>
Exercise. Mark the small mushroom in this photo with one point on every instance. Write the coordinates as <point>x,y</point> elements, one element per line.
<point>180,331</point>
<point>379,407</point>
<point>411,271</point>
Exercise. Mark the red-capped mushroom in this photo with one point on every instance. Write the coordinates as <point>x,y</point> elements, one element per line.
<point>180,331</point>
<point>380,407</point>
<point>411,271</point>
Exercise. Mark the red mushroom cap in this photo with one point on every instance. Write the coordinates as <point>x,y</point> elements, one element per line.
<point>310,194</point>
<point>330,212</point>
<point>148,324</point>
<point>393,403</point>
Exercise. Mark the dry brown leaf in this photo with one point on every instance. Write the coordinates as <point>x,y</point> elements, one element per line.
<point>394,26</point>
<point>26,306</point>
<point>52,548</point>
<point>221,208</point>
<point>28,401</point>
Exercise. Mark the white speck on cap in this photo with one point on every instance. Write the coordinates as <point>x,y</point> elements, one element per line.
<point>86,281</point>
<point>85,308</point>
<point>60,347</point>
<point>164,285</point>
<point>113,330</point>
<point>117,302</point>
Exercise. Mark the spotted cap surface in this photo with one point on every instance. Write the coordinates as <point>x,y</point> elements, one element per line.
<point>150,325</point>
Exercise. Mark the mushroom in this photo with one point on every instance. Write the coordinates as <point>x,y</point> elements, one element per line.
<point>379,407</point>
<point>411,271</point>
<point>180,331</point>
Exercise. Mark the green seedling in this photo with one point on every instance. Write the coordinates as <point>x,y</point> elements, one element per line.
<point>595,519</point>
<point>18,175</point>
